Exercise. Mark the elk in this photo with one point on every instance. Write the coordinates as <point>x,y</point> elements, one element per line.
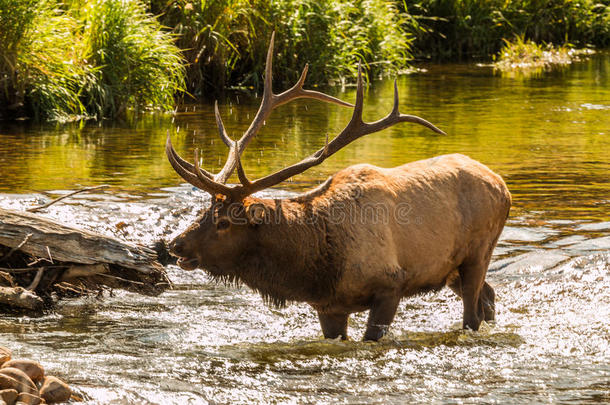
<point>362,240</point>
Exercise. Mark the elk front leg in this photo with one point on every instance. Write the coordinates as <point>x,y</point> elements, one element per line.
<point>380,317</point>
<point>333,325</point>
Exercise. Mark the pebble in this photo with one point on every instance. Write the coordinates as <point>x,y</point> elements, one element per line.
<point>16,379</point>
<point>29,399</point>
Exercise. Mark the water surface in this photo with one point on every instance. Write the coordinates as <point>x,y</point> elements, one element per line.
<point>548,136</point>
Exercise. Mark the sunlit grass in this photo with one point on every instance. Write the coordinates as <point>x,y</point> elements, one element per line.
<point>225,41</point>
<point>137,64</point>
<point>530,57</point>
<point>61,61</point>
<point>452,29</point>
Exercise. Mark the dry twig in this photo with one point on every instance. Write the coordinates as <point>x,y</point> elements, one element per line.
<point>82,190</point>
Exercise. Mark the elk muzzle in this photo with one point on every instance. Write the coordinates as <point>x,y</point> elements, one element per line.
<point>178,248</point>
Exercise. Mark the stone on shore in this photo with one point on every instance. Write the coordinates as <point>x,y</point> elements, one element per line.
<point>54,390</point>
<point>13,378</point>
<point>33,369</point>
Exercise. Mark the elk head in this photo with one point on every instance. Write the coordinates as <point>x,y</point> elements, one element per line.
<point>224,232</point>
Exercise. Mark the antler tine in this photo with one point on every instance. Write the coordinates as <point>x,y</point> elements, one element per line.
<point>207,184</point>
<point>395,108</point>
<point>297,91</point>
<point>241,174</point>
<point>359,107</point>
<point>221,128</point>
<point>186,172</point>
<point>268,84</point>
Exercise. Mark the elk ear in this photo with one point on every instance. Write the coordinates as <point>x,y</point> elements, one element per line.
<point>256,213</point>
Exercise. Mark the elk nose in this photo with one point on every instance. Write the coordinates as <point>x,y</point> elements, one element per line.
<point>177,246</point>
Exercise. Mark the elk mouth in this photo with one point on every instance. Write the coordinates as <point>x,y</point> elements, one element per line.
<point>188,264</point>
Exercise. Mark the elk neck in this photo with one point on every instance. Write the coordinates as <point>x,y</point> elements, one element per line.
<point>294,254</point>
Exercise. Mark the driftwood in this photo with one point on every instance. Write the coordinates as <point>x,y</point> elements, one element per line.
<point>48,260</point>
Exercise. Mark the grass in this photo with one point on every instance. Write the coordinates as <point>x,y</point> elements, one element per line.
<point>62,61</point>
<point>458,29</point>
<point>225,41</point>
<point>529,57</point>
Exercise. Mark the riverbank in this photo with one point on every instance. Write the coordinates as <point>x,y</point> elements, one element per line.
<point>64,60</point>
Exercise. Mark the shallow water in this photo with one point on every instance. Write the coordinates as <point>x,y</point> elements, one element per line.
<point>548,136</point>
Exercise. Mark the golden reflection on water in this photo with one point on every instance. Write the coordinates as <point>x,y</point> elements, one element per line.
<point>548,137</point>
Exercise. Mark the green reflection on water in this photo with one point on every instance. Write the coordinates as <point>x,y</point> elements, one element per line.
<point>548,136</point>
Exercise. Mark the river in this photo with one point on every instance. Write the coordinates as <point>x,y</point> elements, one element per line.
<point>547,134</point>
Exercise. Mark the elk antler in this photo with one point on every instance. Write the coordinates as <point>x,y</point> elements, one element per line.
<point>355,129</point>
<point>216,183</point>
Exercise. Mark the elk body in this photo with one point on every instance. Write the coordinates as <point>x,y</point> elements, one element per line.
<point>362,240</point>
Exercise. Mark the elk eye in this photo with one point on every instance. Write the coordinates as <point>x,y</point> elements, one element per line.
<point>222,224</point>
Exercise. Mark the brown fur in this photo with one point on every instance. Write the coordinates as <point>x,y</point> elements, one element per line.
<point>362,240</point>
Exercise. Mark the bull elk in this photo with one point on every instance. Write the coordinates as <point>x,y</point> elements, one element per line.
<point>362,240</point>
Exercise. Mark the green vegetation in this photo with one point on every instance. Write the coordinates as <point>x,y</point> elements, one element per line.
<point>457,29</point>
<point>528,57</point>
<point>61,59</point>
<point>225,41</point>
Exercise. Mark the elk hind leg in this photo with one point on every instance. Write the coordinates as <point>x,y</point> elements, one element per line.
<point>487,297</point>
<point>333,325</point>
<point>472,275</point>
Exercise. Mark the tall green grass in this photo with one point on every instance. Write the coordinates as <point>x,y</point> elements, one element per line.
<point>66,60</point>
<point>38,67</point>
<point>136,63</point>
<point>225,41</point>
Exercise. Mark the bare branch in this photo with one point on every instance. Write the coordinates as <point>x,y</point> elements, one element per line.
<point>82,190</point>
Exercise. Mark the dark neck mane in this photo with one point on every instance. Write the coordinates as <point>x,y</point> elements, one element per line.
<point>293,258</point>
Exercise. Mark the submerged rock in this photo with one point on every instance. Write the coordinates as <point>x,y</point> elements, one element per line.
<point>54,390</point>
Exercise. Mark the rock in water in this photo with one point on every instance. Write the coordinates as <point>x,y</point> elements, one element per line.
<point>32,368</point>
<point>13,378</point>
<point>5,355</point>
<point>8,396</point>
<point>54,390</point>
<point>29,399</point>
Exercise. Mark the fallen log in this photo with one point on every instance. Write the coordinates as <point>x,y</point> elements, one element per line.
<point>52,260</point>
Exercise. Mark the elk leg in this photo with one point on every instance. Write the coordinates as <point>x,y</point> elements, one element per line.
<point>472,279</point>
<point>487,297</point>
<point>333,325</point>
<point>380,317</point>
